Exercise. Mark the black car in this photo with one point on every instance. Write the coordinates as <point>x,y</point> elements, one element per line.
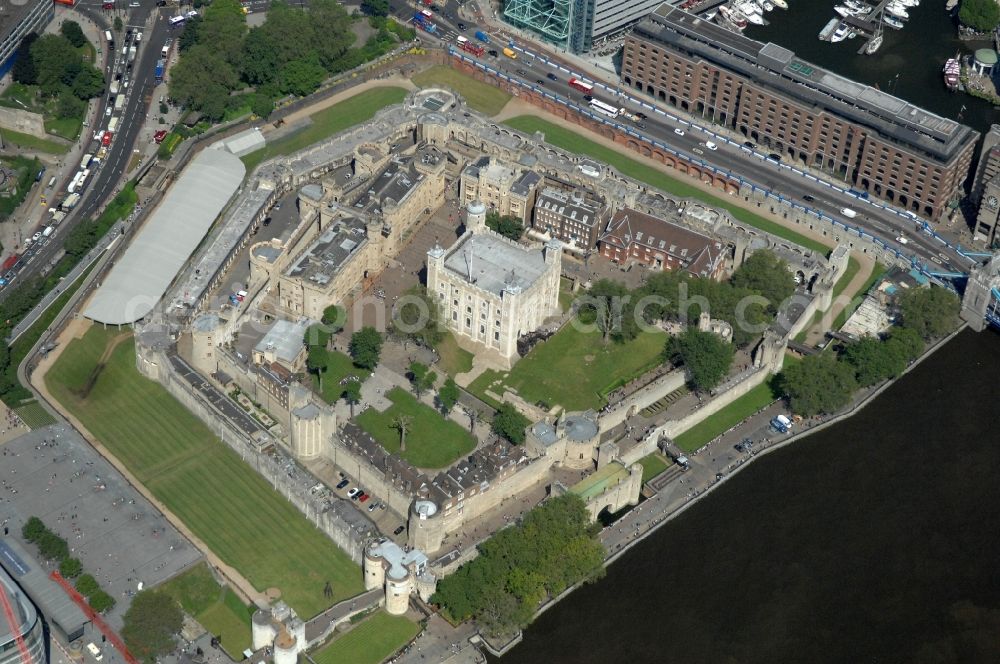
<point>641,116</point>
<point>398,530</point>
<point>461,26</point>
<point>521,72</point>
<point>552,77</point>
<point>588,98</point>
<point>267,222</point>
<point>774,156</point>
<point>493,53</point>
<point>539,81</point>
<point>808,199</point>
<point>343,483</point>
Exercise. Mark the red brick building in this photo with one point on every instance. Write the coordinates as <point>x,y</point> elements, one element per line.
<point>634,237</point>
<point>875,141</point>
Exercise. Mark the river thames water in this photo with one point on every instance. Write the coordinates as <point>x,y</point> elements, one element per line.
<point>876,540</point>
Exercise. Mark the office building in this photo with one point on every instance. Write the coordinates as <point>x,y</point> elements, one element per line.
<point>803,113</point>
<point>577,25</point>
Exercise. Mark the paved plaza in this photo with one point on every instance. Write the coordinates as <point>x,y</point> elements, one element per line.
<point>121,539</point>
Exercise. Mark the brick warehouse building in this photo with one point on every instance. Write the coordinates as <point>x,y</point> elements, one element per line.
<point>877,142</point>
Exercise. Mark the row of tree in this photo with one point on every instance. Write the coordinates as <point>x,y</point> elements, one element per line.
<point>293,52</point>
<point>56,65</point>
<point>826,382</point>
<point>554,547</point>
<point>54,548</point>
<point>749,301</point>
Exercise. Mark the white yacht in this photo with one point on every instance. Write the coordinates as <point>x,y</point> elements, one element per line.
<point>780,4</point>
<point>897,10</point>
<point>840,34</point>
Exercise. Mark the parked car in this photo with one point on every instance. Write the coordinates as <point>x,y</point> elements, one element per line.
<point>398,530</point>
<point>342,483</point>
<point>363,497</point>
<point>353,492</point>
<point>373,506</point>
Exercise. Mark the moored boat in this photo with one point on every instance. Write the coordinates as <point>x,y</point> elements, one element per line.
<point>874,45</point>
<point>897,10</point>
<point>840,34</point>
<point>780,4</point>
<point>951,72</point>
<point>893,22</point>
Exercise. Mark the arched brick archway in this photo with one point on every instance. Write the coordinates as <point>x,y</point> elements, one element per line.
<point>659,156</point>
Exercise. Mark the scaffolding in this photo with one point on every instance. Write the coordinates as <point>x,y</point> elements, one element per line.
<point>550,19</point>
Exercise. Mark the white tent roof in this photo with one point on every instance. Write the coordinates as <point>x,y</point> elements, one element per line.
<point>168,238</point>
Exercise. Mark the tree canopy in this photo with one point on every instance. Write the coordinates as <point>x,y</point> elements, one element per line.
<point>767,275</point>
<point>292,52</point>
<point>421,377</point>
<point>875,360</point>
<point>980,15</point>
<point>608,305</point>
<point>418,317</point>
<point>334,318</point>
<point>57,68</point>
<point>554,547</point>
<point>447,396</point>
<point>151,623</point>
<point>366,347</point>
<point>73,33</point>
<point>706,356</point>
<point>507,225</point>
<point>818,384</point>
<point>509,423</point>
<point>930,312</point>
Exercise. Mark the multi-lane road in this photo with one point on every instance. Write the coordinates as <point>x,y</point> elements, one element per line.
<point>102,184</point>
<point>543,70</point>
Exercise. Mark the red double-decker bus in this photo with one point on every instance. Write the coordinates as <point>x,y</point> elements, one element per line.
<point>581,85</point>
<point>473,48</point>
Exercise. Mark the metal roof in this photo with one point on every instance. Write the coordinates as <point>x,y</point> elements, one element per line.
<point>51,599</point>
<point>168,238</point>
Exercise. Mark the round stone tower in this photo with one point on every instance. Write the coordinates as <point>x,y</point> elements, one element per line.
<point>397,592</point>
<point>425,528</point>
<point>263,630</point>
<point>475,217</point>
<point>285,651</point>
<point>374,570</point>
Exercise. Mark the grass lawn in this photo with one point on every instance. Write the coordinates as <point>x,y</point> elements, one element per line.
<point>29,142</point>
<point>431,442</point>
<point>219,497</point>
<point>328,122</point>
<point>34,415</point>
<point>566,296</point>
<point>217,608</point>
<point>338,367</point>
<point>486,99</point>
<point>68,128</point>
<point>652,465</point>
<point>571,141</point>
<point>857,298</point>
<point>454,359</point>
<point>371,642</point>
<point>574,369</point>
<point>726,418</point>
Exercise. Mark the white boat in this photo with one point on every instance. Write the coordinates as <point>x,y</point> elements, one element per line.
<point>897,10</point>
<point>874,45</point>
<point>780,4</point>
<point>751,12</point>
<point>844,11</point>
<point>908,3</point>
<point>840,34</point>
<point>732,17</point>
<point>893,22</point>
<point>855,5</point>
<point>767,6</point>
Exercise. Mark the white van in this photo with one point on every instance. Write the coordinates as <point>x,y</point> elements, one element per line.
<point>95,651</point>
<point>848,212</point>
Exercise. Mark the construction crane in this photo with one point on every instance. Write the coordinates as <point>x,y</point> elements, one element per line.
<point>15,626</point>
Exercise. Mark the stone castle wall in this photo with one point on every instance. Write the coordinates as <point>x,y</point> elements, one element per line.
<point>26,122</point>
